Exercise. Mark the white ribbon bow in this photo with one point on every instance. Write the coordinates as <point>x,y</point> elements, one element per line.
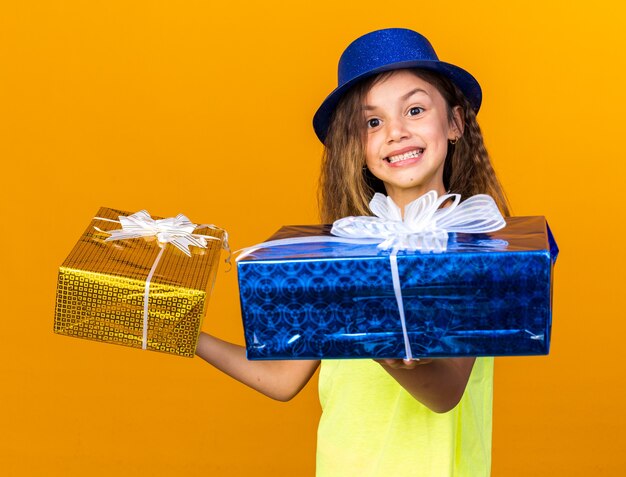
<point>425,226</point>
<point>175,230</point>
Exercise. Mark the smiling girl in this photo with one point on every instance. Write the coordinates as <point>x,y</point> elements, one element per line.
<point>404,123</point>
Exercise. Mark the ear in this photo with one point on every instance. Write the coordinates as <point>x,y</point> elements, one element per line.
<point>457,125</point>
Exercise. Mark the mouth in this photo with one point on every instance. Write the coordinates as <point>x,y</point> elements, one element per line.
<point>413,154</point>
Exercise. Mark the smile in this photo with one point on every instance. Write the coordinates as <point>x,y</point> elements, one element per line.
<point>403,157</point>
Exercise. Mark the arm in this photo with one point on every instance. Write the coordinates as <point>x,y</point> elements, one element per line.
<point>280,380</point>
<point>439,384</point>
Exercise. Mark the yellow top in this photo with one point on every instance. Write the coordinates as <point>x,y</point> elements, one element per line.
<point>371,426</point>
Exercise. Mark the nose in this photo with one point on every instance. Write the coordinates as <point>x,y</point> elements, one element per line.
<point>396,130</point>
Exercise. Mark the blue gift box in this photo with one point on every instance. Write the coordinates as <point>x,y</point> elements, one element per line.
<point>486,295</point>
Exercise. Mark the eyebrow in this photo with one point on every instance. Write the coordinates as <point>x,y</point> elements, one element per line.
<point>404,97</point>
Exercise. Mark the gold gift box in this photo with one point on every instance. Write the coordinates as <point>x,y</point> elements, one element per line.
<point>101,288</point>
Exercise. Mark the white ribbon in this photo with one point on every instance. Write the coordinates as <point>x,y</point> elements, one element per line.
<point>424,228</point>
<point>175,230</point>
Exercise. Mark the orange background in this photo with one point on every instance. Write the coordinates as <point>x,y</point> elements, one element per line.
<point>204,108</point>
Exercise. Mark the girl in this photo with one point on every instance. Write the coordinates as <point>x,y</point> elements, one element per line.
<point>404,123</point>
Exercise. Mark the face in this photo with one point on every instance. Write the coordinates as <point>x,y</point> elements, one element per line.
<point>407,135</point>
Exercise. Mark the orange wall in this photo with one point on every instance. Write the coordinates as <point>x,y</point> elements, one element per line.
<point>204,108</point>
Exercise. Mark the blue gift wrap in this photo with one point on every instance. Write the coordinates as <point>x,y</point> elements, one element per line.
<point>487,295</point>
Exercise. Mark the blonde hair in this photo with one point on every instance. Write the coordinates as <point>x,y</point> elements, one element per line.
<point>346,186</point>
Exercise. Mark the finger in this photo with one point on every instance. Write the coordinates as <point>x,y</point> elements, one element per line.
<point>390,362</point>
<point>423,361</point>
<point>415,362</point>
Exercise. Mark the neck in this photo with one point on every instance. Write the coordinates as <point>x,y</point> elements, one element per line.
<point>404,197</point>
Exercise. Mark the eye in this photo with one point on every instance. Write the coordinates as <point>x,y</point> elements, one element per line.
<point>373,123</point>
<point>415,110</point>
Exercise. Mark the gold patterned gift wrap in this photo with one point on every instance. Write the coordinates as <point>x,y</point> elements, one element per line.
<point>139,281</point>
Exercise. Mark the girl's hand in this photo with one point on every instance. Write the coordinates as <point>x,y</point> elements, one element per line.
<point>439,386</point>
<point>404,363</point>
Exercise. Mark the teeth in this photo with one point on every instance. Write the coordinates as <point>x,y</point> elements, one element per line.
<point>405,156</point>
